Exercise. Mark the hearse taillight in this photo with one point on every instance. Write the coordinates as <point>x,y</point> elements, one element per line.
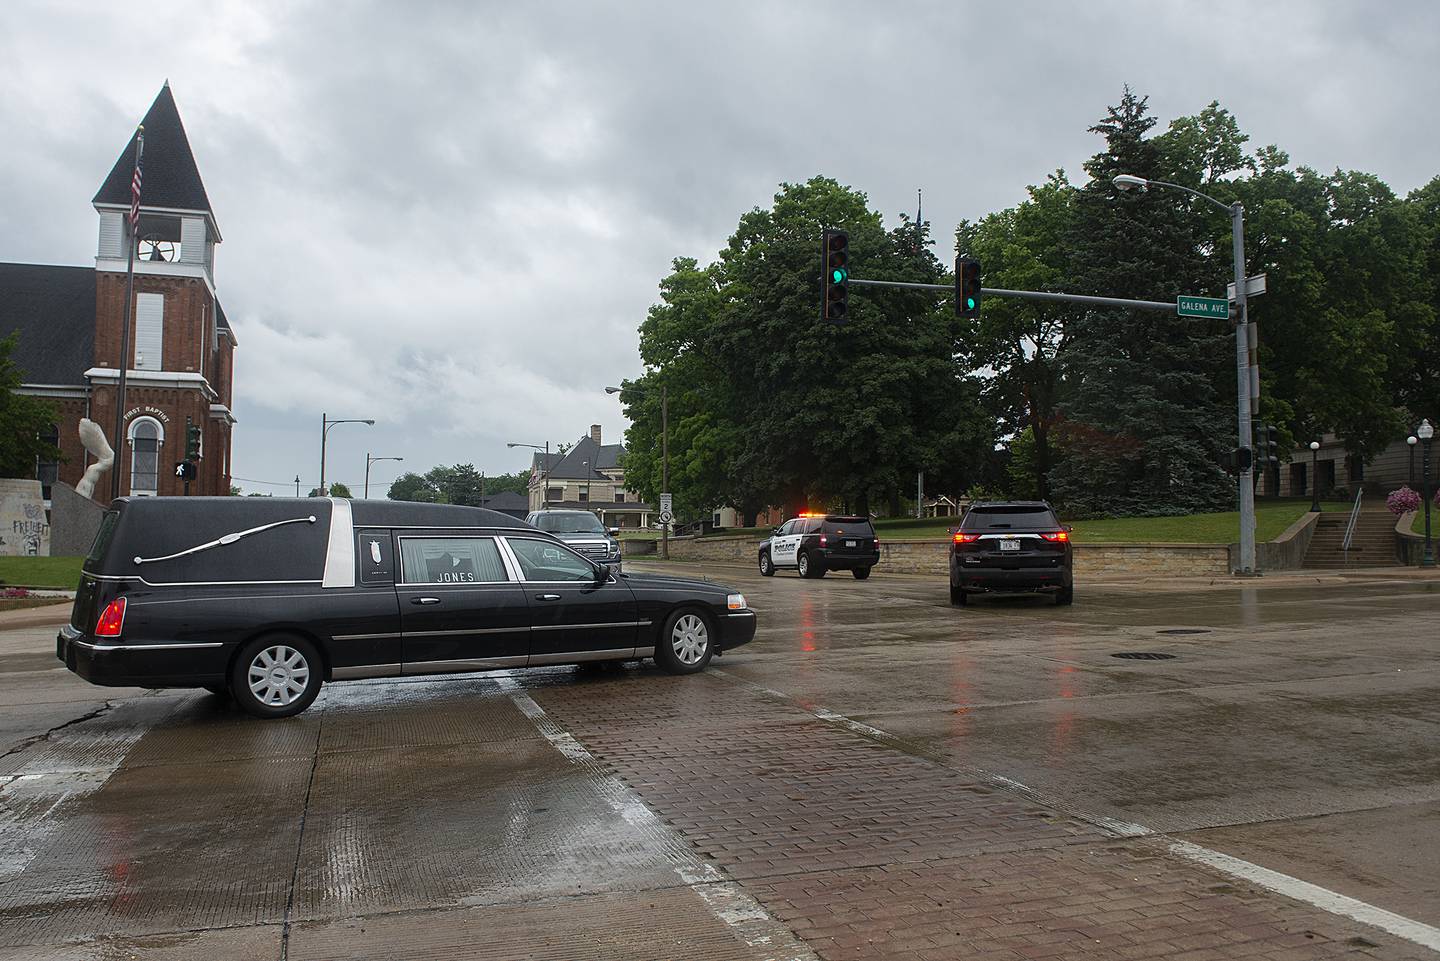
<point>112,619</point>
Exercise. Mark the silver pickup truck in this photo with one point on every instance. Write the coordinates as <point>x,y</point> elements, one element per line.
<point>582,532</point>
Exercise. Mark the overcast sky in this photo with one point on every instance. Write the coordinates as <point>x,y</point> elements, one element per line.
<point>452,217</point>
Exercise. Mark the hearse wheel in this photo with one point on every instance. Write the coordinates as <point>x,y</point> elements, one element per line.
<point>686,644</point>
<point>767,568</point>
<point>276,676</point>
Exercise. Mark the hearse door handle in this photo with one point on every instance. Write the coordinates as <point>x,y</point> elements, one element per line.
<point>424,600</point>
<point>547,597</point>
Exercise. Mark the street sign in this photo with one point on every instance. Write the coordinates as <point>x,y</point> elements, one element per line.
<point>667,504</point>
<point>1254,287</point>
<point>1202,307</point>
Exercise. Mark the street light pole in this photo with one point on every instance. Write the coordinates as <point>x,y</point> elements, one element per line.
<point>371,460</point>
<point>1242,358</point>
<point>1425,432</point>
<point>1314,476</point>
<point>544,471</point>
<point>325,424</point>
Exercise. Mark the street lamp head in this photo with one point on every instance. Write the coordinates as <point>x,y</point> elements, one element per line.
<point>1411,440</point>
<point>1314,445</point>
<point>1425,431</point>
<point>612,390</point>
<point>370,422</point>
<point>1131,182</point>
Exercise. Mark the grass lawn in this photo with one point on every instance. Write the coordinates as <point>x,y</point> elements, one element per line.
<point>1272,517</point>
<point>60,572</point>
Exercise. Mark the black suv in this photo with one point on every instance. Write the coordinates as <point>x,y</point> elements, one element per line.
<point>1011,547</point>
<point>816,543</point>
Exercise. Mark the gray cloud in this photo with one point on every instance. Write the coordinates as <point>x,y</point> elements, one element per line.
<point>452,217</point>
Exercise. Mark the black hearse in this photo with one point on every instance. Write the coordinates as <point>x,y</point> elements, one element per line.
<point>266,598</point>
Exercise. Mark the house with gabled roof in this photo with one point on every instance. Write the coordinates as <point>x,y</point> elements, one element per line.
<point>179,370</point>
<point>590,475</point>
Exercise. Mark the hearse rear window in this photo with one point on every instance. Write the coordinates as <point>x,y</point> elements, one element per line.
<point>450,560</point>
<point>102,539</point>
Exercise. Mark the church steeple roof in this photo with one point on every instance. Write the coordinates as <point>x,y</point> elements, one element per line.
<point>170,177</point>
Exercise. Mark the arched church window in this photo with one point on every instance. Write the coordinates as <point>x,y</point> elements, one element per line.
<point>146,436</point>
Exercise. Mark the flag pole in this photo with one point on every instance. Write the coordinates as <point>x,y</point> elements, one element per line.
<point>125,324</point>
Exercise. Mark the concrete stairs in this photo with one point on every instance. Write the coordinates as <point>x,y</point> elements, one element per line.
<point>1373,543</point>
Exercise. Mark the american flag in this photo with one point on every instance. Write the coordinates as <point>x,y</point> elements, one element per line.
<point>135,182</point>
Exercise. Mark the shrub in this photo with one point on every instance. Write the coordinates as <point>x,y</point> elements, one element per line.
<point>1404,500</point>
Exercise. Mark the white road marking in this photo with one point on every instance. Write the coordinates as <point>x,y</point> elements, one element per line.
<point>1416,932</point>
<point>1323,898</point>
<point>726,899</point>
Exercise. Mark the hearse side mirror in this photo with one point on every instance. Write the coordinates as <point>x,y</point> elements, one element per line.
<point>602,573</point>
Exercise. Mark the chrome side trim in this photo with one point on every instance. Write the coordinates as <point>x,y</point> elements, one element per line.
<point>340,554</point>
<point>644,652</point>
<point>363,637</point>
<point>225,539</point>
<point>741,614</point>
<point>619,653</point>
<point>137,577</point>
<point>472,664</point>
<point>468,630</point>
<point>145,647</point>
<point>582,627</point>
<point>365,670</point>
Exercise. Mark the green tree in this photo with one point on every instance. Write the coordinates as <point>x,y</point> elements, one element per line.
<point>337,489</point>
<point>24,420</point>
<point>411,486</point>
<point>768,405</point>
<point>1144,422</point>
<point>1023,342</point>
<point>516,483</point>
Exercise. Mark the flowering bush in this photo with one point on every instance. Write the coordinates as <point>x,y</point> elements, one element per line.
<point>1403,500</point>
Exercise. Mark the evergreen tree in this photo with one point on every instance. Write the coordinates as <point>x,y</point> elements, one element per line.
<point>1144,423</point>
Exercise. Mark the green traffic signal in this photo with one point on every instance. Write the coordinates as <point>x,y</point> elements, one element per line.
<point>838,276</point>
<point>969,303</point>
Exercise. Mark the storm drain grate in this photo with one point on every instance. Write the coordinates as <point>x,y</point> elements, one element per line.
<point>1185,630</point>
<point>1144,656</point>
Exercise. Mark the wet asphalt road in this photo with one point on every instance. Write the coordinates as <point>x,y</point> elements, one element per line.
<point>878,775</point>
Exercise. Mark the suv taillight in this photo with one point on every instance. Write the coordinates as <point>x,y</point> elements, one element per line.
<point>112,619</point>
<point>966,538</point>
<point>823,542</point>
<point>1061,536</point>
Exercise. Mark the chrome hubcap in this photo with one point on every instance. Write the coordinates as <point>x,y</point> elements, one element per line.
<point>690,639</point>
<point>804,564</point>
<point>278,675</point>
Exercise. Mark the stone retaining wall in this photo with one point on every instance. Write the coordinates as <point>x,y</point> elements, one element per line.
<point>932,556</point>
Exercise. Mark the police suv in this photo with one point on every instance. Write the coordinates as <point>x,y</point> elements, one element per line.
<point>815,543</point>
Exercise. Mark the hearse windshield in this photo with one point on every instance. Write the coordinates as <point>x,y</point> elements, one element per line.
<point>570,522</point>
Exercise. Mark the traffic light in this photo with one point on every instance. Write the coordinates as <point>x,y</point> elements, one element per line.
<point>1267,444</point>
<point>835,251</point>
<point>1237,460</point>
<point>967,287</point>
<point>192,442</point>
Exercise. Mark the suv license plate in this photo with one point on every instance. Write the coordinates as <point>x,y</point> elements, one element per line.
<point>1009,545</point>
<point>852,543</point>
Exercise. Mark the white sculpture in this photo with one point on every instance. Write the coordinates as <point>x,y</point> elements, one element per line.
<point>93,438</point>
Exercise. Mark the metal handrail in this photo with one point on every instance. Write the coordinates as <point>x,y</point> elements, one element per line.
<point>1350,528</point>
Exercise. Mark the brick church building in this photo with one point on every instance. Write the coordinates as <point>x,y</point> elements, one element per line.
<point>181,365</point>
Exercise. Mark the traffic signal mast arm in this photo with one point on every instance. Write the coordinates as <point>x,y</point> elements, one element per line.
<point>1168,306</point>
